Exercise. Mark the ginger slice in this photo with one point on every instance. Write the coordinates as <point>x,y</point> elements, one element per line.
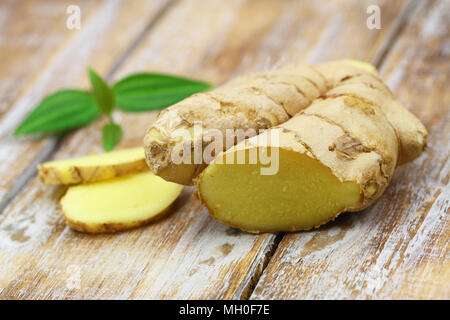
<point>118,204</point>
<point>95,167</point>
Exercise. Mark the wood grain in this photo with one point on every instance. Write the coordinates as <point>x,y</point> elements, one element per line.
<point>186,255</point>
<point>399,247</point>
<point>107,29</point>
<point>31,34</point>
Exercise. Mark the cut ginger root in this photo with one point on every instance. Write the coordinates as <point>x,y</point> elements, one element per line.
<point>93,168</point>
<point>337,154</point>
<point>118,204</point>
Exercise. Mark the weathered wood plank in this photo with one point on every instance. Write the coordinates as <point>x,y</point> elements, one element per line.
<point>107,29</point>
<point>399,247</point>
<point>187,254</point>
<point>31,33</point>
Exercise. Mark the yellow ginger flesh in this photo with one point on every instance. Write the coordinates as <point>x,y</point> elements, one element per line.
<point>302,195</point>
<point>119,203</point>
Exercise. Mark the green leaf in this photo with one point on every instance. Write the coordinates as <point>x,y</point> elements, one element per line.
<point>102,92</point>
<point>66,109</point>
<point>152,91</point>
<point>111,134</point>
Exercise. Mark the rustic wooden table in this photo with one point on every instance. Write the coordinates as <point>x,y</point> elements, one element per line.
<point>397,248</point>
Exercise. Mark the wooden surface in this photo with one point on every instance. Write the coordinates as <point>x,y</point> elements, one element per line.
<point>398,248</point>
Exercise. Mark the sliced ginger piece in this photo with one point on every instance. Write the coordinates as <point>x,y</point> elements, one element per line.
<point>303,194</point>
<point>95,167</point>
<point>119,203</point>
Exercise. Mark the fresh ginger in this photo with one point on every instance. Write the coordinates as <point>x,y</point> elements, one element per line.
<point>92,168</point>
<point>341,135</point>
<point>119,203</point>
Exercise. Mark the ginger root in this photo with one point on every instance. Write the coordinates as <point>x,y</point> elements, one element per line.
<point>341,134</point>
<point>118,204</point>
<point>92,168</point>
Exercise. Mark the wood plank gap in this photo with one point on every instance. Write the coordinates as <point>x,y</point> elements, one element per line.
<point>395,32</point>
<point>246,291</point>
<point>53,142</point>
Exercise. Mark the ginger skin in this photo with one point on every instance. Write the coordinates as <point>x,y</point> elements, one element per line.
<point>92,168</point>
